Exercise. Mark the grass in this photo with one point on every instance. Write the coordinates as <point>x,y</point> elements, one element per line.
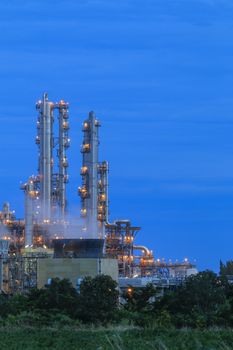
<point>31,338</point>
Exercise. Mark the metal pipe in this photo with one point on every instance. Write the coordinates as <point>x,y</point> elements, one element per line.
<point>142,248</point>
<point>30,195</point>
<point>29,213</point>
<point>45,161</point>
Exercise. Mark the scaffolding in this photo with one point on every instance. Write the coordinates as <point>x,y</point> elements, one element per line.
<point>120,237</point>
<point>18,273</point>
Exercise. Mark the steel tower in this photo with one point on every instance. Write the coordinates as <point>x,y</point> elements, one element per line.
<point>46,144</point>
<point>63,144</point>
<point>45,194</point>
<point>93,192</point>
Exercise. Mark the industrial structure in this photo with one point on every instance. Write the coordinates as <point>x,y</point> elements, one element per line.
<point>133,260</point>
<point>37,248</point>
<point>94,189</point>
<point>45,193</point>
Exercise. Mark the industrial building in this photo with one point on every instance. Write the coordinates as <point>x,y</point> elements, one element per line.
<point>38,248</point>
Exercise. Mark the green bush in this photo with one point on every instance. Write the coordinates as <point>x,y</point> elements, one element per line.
<point>57,297</point>
<point>202,301</point>
<point>98,300</point>
<point>139,299</point>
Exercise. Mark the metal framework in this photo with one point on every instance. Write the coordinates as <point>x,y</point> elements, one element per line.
<point>18,274</point>
<point>45,210</point>
<point>120,237</point>
<point>94,189</point>
<point>45,194</point>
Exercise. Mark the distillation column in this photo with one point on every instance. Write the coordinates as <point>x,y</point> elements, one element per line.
<point>94,190</point>
<point>30,196</point>
<point>45,194</point>
<point>103,212</point>
<point>45,142</point>
<point>64,143</point>
<point>89,172</point>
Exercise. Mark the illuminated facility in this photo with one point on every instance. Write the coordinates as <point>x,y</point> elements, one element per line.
<point>37,248</point>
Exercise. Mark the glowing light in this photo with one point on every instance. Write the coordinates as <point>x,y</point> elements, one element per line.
<point>65,125</point>
<point>86,147</point>
<point>83,212</point>
<point>84,170</point>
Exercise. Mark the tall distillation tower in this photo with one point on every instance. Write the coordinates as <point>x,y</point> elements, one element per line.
<point>45,194</point>
<point>94,189</point>
<point>45,142</point>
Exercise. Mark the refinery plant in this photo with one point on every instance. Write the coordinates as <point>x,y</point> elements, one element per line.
<point>37,248</point>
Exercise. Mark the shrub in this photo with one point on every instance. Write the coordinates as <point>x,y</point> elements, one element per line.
<point>98,300</point>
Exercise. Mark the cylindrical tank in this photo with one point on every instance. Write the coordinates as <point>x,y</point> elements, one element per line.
<point>46,161</point>
<point>90,178</point>
<point>29,213</point>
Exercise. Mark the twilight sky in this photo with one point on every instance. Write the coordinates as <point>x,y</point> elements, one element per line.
<point>159,75</point>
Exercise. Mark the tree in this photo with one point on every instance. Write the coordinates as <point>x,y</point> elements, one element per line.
<point>226,269</point>
<point>98,299</point>
<point>12,305</point>
<point>201,299</point>
<point>58,296</point>
<point>139,299</point>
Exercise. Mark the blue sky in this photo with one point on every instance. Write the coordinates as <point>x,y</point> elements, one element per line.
<point>159,76</point>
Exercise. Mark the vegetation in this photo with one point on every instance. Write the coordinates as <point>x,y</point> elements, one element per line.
<point>97,302</point>
<point>226,269</point>
<point>140,299</point>
<point>195,315</point>
<point>22,338</point>
<point>204,300</point>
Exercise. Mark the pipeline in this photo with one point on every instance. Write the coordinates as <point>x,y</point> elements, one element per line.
<point>143,249</point>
